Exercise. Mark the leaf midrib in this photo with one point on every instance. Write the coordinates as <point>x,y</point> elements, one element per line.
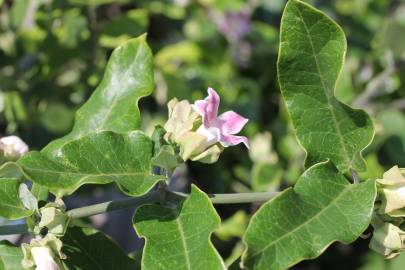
<point>330,107</point>
<point>184,242</point>
<point>88,174</point>
<point>332,203</point>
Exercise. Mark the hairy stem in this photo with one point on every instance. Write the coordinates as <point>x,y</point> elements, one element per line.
<point>151,197</point>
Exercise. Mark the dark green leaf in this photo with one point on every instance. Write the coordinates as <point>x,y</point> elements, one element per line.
<point>178,238</point>
<point>311,57</point>
<point>98,158</point>
<point>89,249</point>
<point>303,221</point>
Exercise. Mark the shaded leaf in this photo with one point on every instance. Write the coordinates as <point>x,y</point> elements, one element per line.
<point>303,221</point>
<point>178,238</point>
<point>89,249</point>
<point>10,256</point>
<point>312,51</point>
<point>98,158</point>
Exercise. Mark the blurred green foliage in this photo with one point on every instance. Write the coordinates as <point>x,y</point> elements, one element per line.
<point>53,53</point>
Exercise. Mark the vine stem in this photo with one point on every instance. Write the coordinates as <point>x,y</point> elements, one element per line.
<point>151,197</point>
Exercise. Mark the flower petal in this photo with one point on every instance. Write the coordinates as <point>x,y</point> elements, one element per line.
<point>208,108</point>
<point>229,140</point>
<point>231,123</point>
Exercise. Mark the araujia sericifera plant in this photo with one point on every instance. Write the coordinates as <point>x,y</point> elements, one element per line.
<point>327,204</point>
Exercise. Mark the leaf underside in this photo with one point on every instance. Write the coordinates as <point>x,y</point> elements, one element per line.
<point>303,221</point>
<point>178,238</point>
<point>312,50</point>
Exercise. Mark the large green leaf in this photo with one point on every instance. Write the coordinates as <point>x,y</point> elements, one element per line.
<point>303,221</point>
<point>89,249</point>
<point>10,256</point>
<point>113,105</point>
<point>312,51</point>
<point>11,206</point>
<point>98,158</point>
<point>178,238</point>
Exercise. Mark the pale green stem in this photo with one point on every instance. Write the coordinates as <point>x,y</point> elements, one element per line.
<point>151,197</point>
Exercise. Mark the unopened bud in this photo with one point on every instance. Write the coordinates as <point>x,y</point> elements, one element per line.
<point>12,147</point>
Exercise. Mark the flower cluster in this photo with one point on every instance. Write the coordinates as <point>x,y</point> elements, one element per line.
<point>198,130</point>
<point>388,221</point>
<point>46,253</point>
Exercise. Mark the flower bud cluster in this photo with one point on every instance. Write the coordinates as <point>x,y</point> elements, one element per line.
<point>45,253</point>
<point>388,221</point>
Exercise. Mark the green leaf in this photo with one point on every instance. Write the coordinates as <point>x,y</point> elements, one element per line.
<point>164,155</point>
<point>10,256</point>
<point>113,105</point>
<point>303,221</point>
<point>98,158</point>
<point>11,207</point>
<point>312,51</point>
<point>178,238</point>
<point>88,249</point>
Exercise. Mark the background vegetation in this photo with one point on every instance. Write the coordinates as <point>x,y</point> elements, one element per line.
<point>53,53</point>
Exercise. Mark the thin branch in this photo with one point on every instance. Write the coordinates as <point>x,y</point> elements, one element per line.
<point>376,86</point>
<point>151,197</point>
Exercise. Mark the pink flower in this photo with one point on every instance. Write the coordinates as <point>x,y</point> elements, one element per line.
<point>221,128</point>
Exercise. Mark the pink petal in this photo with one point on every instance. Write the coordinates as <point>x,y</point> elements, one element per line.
<point>231,123</point>
<point>229,140</point>
<point>208,108</point>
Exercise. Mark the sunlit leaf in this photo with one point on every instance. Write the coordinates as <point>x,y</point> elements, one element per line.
<point>179,237</point>
<point>303,221</point>
<point>312,51</point>
<point>98,158</point>
<point>113,105</point>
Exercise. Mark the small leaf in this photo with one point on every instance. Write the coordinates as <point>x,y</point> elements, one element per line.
<point>178,238</point>
<point>98,158</point>
<point>113,105</point>
<point>88,249</point>
<point>10,256</point>
<point>27,198</point>
<point>164,155</point>
<point>303,221</point>
<point>312,51</point>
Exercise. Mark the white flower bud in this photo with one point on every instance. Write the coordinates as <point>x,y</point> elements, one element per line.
<point>43,259</point>
<point>392,192</point>
<point>13,147</point>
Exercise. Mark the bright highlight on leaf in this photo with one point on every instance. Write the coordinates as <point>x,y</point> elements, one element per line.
<point>303,221</point>
<point>312,50</point>
<point>179,237</point>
